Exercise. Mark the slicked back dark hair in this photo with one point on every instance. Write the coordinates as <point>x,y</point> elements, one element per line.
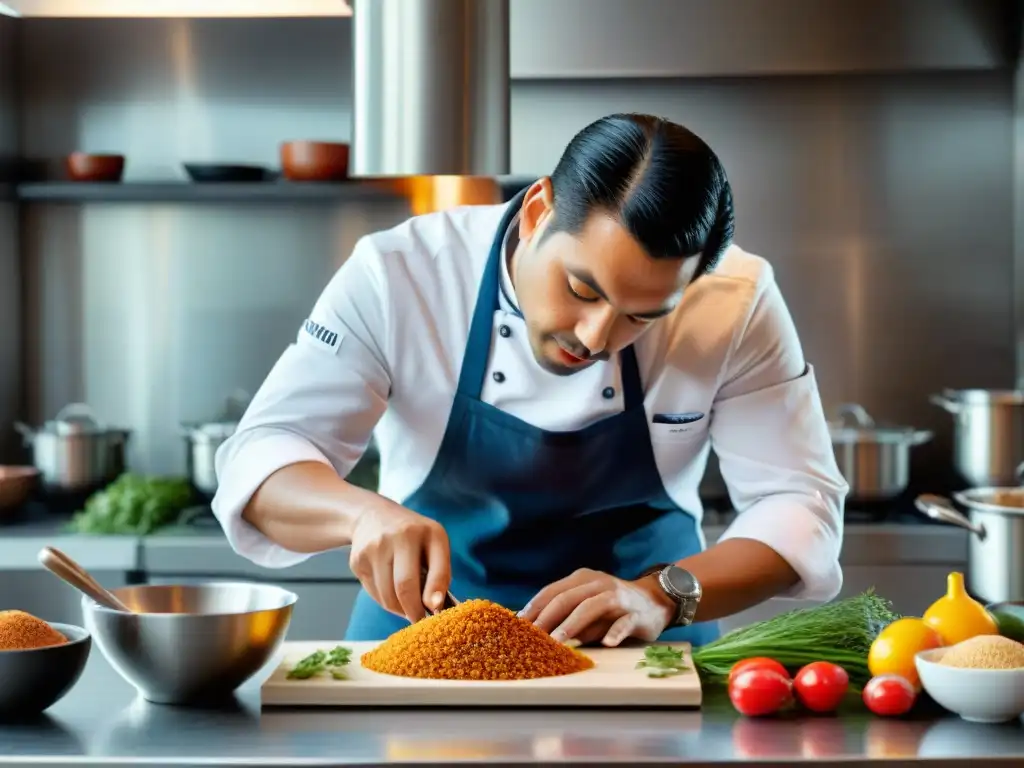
<point>657,178</point>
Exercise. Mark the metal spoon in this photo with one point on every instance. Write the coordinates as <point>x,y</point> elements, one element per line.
<point>71,572</point>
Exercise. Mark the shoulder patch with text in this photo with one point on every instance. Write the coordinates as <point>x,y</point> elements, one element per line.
<point>322,336</point>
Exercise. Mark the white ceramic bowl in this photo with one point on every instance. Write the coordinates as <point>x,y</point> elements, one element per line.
<point>977,695</point>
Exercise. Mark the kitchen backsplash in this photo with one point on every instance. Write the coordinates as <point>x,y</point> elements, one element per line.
<point>883,201</point>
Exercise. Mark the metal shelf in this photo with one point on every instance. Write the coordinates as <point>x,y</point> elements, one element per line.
<point>161,192</point>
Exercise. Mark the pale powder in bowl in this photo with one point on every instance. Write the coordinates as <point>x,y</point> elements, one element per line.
<point>985,652</point>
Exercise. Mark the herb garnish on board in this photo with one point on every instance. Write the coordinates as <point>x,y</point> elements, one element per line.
<point>319,661</point>
<point>662,661</point>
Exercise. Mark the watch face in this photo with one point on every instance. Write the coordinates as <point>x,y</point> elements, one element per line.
<point>682,582</point>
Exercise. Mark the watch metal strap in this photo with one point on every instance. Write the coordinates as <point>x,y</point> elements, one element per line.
<point>685,608</point>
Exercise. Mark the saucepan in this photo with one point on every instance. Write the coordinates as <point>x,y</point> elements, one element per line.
<point>995,522</point>
<point>75,452</point>
<point>988,439</point>
<point>873,458</point>
<point>203,439</point>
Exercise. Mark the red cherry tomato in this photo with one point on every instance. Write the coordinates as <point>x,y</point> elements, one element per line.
<point>758,691</point>
<point>889,695</point>
<point>820,686</point>
<point>757,662</point>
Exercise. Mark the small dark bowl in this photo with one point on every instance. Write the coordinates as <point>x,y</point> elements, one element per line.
<point>82,166</point>
<point>222,172</point>
<point>34,680</point>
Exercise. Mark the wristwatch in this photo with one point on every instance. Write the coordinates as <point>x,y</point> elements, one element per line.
<point>682,587</point>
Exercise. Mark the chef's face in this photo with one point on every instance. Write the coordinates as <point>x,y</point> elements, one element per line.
<point>587,296</point>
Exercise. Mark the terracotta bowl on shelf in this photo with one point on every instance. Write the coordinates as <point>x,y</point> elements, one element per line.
<point>314,160</point>
<point>82,166</point>
<point>16,484</point>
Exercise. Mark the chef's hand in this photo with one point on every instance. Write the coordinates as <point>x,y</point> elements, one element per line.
<point>390,546</point>
<point>591,605</point>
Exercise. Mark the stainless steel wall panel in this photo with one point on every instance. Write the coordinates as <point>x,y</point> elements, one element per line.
<point>163,91</point>
<point>599,39</point>
<point>884,203</point>
<point>10,276</point>
<point>154,315</point>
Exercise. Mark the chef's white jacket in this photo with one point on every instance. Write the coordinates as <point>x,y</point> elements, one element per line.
<point>381,351</point>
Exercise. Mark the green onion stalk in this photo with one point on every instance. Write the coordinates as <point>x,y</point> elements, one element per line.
<point>840,632</point>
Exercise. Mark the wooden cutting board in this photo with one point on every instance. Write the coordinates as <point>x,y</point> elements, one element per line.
<point>613,681</point>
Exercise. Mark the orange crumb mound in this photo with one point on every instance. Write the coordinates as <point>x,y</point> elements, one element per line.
<point>20,631</point>
<point>475,640</point>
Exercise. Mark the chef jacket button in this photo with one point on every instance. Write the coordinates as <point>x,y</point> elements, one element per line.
<point>505,331</point>
<point>608,393</point>
<point>498,376</point>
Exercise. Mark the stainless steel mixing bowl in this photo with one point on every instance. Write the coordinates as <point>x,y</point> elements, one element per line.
<point>191,643</point>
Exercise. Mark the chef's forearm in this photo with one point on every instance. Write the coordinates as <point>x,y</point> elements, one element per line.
<point>306,507</point>
<point>737,574</point>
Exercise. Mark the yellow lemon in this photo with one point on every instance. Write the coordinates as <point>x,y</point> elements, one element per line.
<point>892,652</point>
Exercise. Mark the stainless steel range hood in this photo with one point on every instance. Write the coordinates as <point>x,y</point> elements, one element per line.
<point>70,9</point>
<point>431,88</point>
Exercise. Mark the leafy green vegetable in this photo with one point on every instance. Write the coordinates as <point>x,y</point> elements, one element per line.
<point>133,504</point>
<point>840,632</point>
<point>662,661</point>
<point>319,661</point>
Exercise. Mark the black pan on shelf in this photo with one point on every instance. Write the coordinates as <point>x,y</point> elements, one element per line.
<point>213,172</point>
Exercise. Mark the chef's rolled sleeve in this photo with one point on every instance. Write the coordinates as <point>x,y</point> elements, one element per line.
<point>242,469</point>
<point>319,403</point>
<point>772,440</point>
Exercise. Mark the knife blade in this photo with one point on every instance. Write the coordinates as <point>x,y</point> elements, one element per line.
<point>450,600</point>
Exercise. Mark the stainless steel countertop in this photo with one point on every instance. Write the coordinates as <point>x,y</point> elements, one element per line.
<point>102,722</point>
<point>202,550</point>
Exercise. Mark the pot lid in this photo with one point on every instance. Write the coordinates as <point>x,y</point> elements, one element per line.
<point>1007,501</point>
<point>985,396</point>
<point>75,419</point>
<point>855,425</point>
<point>215,430</point>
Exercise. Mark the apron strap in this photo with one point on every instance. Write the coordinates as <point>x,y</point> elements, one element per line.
<point>632,386</point>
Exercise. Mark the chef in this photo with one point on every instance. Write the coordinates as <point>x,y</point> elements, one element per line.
<point>544,380</point>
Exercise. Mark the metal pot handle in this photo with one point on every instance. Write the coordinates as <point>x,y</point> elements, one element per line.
<point>942,509</point>
<point>857,412</point>
<point>27,433</point>
<point>236,405</point>
<point>950,406</point>
<point>923,436</point>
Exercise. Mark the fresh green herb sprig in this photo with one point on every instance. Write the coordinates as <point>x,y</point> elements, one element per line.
<point>332,661</point>
<point>662,661</point>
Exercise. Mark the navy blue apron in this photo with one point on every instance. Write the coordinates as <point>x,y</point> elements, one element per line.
<point>524,507</point>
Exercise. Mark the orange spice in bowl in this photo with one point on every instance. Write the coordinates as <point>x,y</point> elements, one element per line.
<point>21,631</point>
